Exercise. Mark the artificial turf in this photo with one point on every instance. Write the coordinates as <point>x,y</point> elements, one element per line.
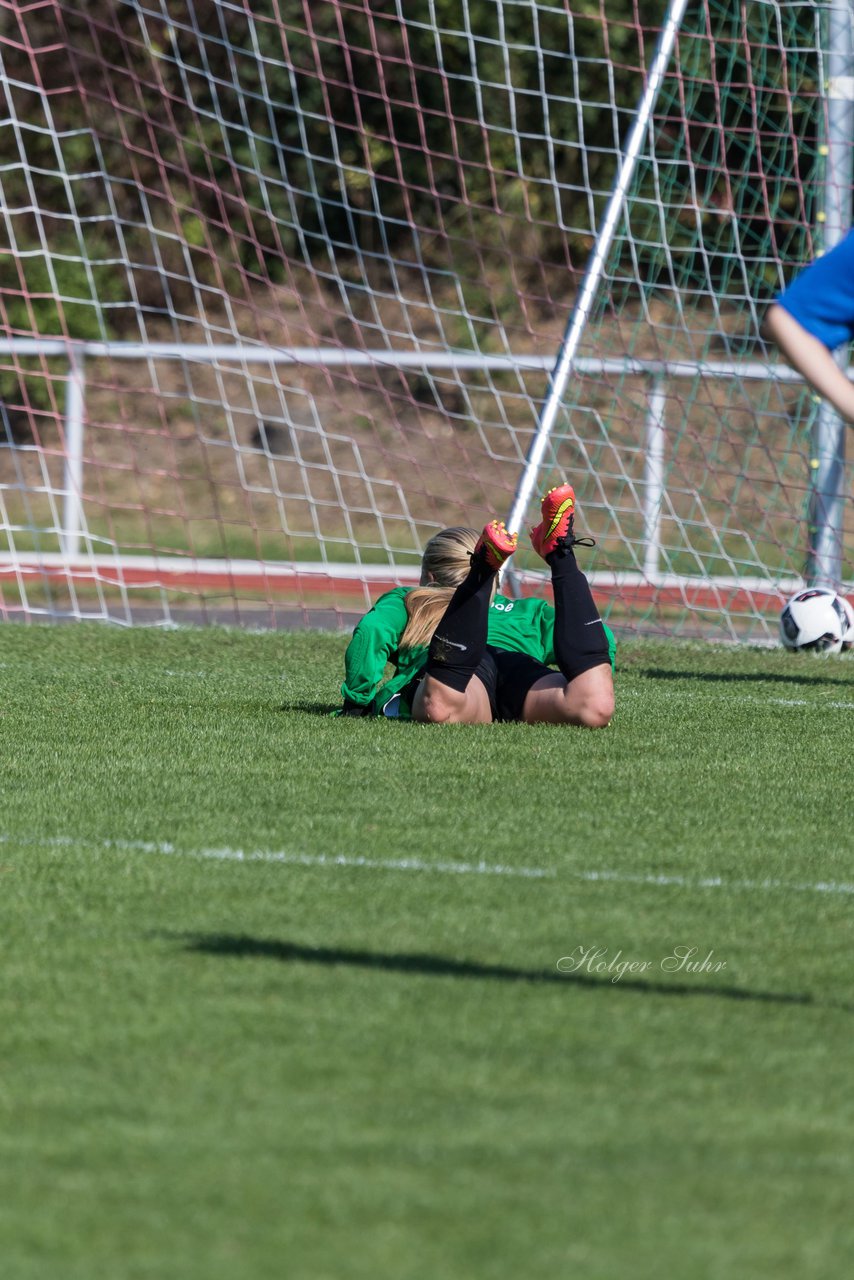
<point>281,995</point>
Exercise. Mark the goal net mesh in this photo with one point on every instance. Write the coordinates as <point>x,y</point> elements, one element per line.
<point>282,283</point>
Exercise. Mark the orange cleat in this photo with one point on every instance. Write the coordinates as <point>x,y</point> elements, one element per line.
<point>498,545</point>
<point>558,510</point>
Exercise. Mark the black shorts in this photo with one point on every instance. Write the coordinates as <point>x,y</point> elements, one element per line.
<point>508,678</point>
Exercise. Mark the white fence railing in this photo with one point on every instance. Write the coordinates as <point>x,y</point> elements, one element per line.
<point>657,372</point>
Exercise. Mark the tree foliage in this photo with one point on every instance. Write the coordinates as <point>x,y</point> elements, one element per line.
<point>290,126</point>
<point>193,138</point>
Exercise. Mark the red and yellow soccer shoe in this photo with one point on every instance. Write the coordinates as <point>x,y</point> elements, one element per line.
<point>558,509</point>
<point>498,545</point>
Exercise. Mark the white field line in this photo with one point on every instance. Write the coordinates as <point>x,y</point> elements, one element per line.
<point>282,857</point>
<point>804,702</point>
<point>814,704</point>
<point>716,882</point>
<point>693,695</point>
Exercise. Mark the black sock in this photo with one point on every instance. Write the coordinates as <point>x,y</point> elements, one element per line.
<point>580,641</point>
<point>459,641</point>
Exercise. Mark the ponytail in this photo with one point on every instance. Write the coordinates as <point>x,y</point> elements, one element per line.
<point>424,607</point>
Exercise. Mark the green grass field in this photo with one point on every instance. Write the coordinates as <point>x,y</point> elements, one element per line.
<point>281,993</point>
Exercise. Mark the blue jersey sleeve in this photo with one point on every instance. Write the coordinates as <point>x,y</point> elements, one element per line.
<point>821,297</point>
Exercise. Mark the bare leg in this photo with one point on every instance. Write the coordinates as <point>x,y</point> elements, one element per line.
<point>586,700</point>
<point>437,703</point>
<point>450,692</point>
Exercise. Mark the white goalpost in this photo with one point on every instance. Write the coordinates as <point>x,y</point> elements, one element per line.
<point>286,288</point>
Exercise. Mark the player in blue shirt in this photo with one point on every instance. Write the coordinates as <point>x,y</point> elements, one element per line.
<point>814,316</point>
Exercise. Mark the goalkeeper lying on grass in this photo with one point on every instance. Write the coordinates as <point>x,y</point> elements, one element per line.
<point>463,654</point>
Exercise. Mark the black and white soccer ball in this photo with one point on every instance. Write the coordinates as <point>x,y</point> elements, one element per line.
<point>813,621</point>
<point>847,623</point>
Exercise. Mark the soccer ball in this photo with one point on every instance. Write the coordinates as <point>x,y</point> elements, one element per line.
<point>847,614</point>
<point>813,620</point>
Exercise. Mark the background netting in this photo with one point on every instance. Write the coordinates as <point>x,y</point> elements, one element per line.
<point>281,284</point>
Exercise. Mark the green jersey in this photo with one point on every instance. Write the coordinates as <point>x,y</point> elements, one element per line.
<point>522,626</point>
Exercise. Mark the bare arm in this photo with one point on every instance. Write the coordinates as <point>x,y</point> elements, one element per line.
<point>810,358</point>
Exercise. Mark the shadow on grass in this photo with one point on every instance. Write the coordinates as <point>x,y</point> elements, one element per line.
<point>743,677</point>
<point>240,945</point>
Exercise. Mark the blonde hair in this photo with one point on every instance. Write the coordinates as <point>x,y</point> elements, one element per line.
<point>444,565</point>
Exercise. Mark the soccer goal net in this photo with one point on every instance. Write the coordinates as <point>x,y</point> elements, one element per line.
<point>283,285</point>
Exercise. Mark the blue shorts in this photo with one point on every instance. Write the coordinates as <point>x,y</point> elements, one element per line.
<point>821,297</point>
